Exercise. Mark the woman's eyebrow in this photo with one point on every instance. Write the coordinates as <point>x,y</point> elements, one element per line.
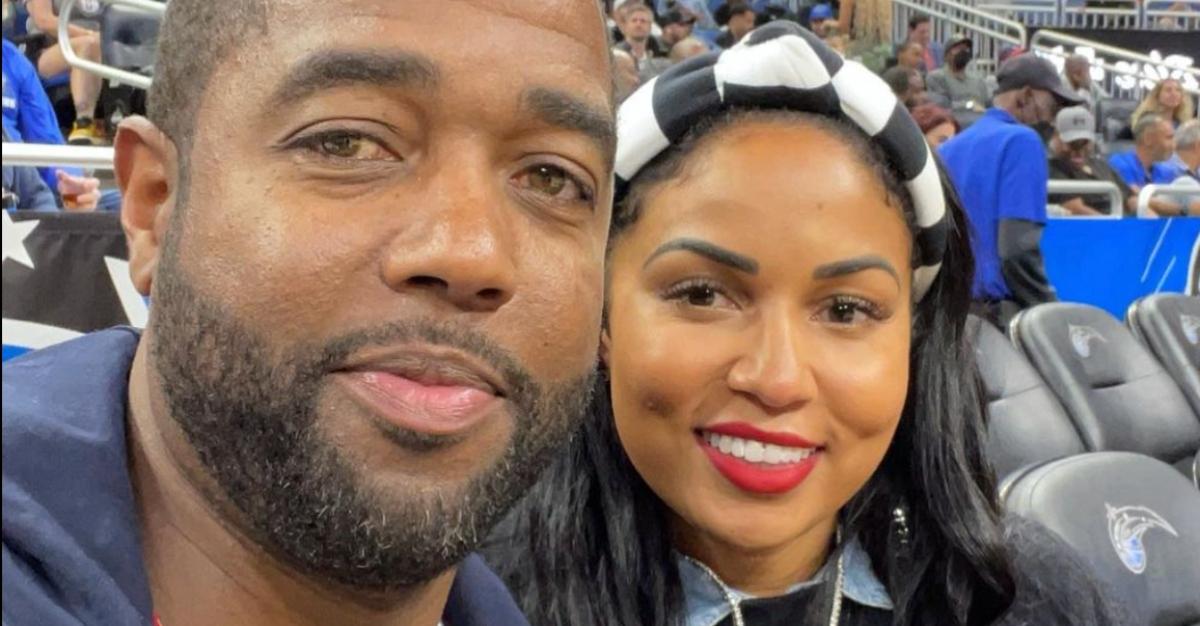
<point>708,250</point>
<point>853,265</point>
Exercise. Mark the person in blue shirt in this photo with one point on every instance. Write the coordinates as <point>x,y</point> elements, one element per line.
<point>999,168</point>
<point>376,269</point>
<point>28,115</point>
<point>1149,161</point>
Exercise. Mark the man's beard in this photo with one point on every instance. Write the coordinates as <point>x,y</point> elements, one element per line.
<point>250,412</point>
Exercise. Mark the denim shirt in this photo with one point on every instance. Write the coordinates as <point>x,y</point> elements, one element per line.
<point>705,603</point>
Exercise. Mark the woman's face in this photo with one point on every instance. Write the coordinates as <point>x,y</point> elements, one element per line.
<point>939,134</point>
<point>1170,95</point>
<point>758,335</point>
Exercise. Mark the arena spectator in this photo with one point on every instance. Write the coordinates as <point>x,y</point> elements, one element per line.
<point>999,167</point>
<point>1073,158</point>
<point>909,56</point>
<point>638,19</point>
<point>1167,100</point>
<point>738,18</point>
<point>85,86</point>
<point>25,190</point>
<point>28,114</point>
<point>1147,162</point>
<point>687,49</point>
<point>955,82</point>
<point>937,124</point>
<point>625,71</point>
<point>1077,75</point>
<point>1187,161</point>
<point>676,26</point>
<point>907,84</point>
<point>920,30</point>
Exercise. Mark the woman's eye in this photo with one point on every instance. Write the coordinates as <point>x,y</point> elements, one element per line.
<point>347,146</point>
<point>698,294</point>
<point>851,312</point>
<point>554,182</point>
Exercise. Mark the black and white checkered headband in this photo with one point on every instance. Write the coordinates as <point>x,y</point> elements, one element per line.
<point>784,66</point>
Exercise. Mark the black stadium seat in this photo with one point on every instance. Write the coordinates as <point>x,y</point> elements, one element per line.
<point>1026,423</point>
<point>128,38</point>
<point>1119,397</point>
<point>1132,518</point>
<point>1169,325</point>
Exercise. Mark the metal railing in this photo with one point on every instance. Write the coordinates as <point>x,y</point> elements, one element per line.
<point>1090,187</point>
<point>1182,192</point>
<point>1118,71</point>
<point>43,155</point>
<point>1144,15</point>
<point>989,33</point>
<point>105,71</point>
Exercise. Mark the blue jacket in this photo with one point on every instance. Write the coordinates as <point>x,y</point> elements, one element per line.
<point>32,192</point>
<point>28,115</point>
<point>71,549</point>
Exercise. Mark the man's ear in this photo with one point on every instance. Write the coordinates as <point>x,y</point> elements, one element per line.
<point>146,164</point>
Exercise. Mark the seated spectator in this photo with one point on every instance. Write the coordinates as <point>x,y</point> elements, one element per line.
<point>1168,101</point>
<point>625,73</point>
<point>954,82</point>
<point>48,56</point>
<point>920,30</point>
<point>676,26</point>
<point>687,49</point>
<point>635,28</point>
<point>28,115</point>
<point>25,190</point>
<point>738,18</point>
<point>819,16</point>
<point>1073,158</point>
<point>937,124</point>
<point>1154,143</point>
<point>909,56</point>
<point>907,84</point>
<point>1187,161</point>
<point>1077,76</point>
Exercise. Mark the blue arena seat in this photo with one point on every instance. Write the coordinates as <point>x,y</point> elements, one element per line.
<point>1133,519</point>
<point>1118,396</point>
<point>1026,423</point>
<point>1169,325</point>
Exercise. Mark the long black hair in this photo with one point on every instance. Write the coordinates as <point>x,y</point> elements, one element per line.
<point>590,546</point>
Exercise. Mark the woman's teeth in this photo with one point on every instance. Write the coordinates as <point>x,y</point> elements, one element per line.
<point>757,451</point>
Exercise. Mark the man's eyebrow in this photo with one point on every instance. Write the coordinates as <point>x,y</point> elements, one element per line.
<point>327,69</point>
<point>853,265</point>
<point>559,108</point>
<point>708,250</point>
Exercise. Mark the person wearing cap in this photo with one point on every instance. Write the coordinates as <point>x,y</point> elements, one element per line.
<point>1073,158</point>
<point>738,18</point>
<point>818,16</point>
<point>999,166</point>
<point>954,83</point>
<point>676,26</point>
<point>784,377</point>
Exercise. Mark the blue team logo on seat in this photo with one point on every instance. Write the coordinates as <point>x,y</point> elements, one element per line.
<point>1081,339</point>
<point>1126,525</point>
<point>1191,328</point>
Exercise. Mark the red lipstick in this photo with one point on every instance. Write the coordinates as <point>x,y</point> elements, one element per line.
<point>759,478</point>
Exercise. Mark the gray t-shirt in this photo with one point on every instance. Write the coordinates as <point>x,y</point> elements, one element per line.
<point>968,92</point>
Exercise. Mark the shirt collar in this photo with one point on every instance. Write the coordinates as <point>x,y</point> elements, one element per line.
<point>705,603</point>
<point>1000,115</point>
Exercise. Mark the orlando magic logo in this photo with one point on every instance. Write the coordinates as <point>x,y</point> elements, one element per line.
<point>1191,328</point>
<point>1081,339</point>
<point>1126,525</point>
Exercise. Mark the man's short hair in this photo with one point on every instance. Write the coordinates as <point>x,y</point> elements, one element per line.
<point>636,7</point>
<point>1187,136</point>
<point>1077,59</point>
<point>897,78</point>
<point>1145,124</point>
<point>196,36</point>
<point>917,20</point>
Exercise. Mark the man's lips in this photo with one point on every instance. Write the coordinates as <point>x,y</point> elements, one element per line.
<point>429,391</point>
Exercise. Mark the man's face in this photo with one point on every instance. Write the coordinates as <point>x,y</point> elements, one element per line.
<point>378,304</point>
<point>741,23</point>
<point>675,32</point>
<point>921,33</point>
<point>637,25</point>
<point>1162,141</point>
<point>1077,73</point>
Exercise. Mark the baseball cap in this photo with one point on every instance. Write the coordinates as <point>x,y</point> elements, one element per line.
<point>959,39</point>
<point>821,12</point>
<point>677,17</point>
<point>1075,123</point>
<point>1028,70</point>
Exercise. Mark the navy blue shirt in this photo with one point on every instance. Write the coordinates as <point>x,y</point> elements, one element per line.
<point>72,553</point>
<point>999,169</point>
<point>1135,174</point>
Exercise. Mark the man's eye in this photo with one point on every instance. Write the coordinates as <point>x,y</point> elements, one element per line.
<point>349,146</point>
<point>554,182</point>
